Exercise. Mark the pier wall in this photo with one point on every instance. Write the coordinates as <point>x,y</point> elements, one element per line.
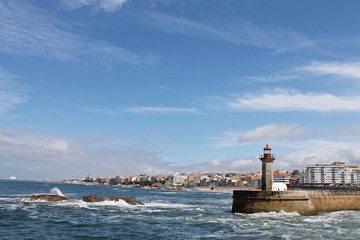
<point>303,202</point>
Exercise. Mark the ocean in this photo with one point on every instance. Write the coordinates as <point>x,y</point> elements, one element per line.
<point>165,215</point>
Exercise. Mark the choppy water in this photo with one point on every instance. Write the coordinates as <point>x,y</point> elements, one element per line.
<point>165,215</point>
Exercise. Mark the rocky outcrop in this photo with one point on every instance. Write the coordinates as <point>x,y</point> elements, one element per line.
<point>48,197</point>
<point>93,198</point>
<point>128,200</point>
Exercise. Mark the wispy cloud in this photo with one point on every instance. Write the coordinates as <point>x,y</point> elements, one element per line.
<point>260,134</point>
<point>163,87</point>
<point>343,69</point>
<point>97,110</point>
<point>238,31</point>
<point>28,30</point>
<point>107,5</point>
<point>162,110</point>
<point>139,110</point>
<point>227,139</point>
<point>273,132</point>
<point>273,78</point>
<point>347,130</point>
<point>11,92</point>
<point>289,100</point>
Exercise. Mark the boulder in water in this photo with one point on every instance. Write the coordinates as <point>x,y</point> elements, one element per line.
<point>93,198</point>
<point>49,197</point>
<point>128,200</point>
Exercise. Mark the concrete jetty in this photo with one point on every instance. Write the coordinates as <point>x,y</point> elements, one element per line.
<point>304,202</point>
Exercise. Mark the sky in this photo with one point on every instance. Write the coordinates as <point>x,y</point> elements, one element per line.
<point>128,87</point>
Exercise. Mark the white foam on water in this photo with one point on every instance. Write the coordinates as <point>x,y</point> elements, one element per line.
<point>71,203</point>
<point>285,236</point>
<point>120,203</point>
<point>151,210</point>
<point>27,199</point>
<point>166,205</point>
<point>280,214</point>
<point>321,219</point>
<point>56,191</point>
<point>5,199</point>
<point>168,193</point>
<point>12,206</point>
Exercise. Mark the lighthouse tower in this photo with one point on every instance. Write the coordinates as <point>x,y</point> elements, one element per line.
<point>267,169</point>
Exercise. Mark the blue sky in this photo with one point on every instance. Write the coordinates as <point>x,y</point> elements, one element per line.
<point>125,87</point>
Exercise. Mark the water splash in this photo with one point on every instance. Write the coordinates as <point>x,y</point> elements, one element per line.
<point>56,191</point>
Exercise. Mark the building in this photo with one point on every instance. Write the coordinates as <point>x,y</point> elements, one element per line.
<point>282,178</point>
<point>179,179</point>
<point>329,174</point>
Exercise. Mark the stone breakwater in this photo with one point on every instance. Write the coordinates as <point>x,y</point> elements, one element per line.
<point>302,202</point>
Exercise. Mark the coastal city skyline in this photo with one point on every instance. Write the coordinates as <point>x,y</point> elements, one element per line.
<point>128,87</point>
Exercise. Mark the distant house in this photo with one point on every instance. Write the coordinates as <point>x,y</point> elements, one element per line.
<point>282,178</point>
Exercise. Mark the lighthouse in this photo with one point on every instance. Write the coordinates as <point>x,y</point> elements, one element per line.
<point>267,178</point>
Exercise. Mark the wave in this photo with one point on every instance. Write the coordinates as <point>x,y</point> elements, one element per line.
<point>167,205</point>
<point>280,214</point>
<point>56,191</point>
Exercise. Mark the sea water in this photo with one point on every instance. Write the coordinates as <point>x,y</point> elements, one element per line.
<point>164,215</point>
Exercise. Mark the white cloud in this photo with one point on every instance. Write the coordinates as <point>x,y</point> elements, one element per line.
<point>238,31</point>
<point>343,69</point>
<point>163,87</point>
<point>260,134</point>
<point>322,155</point>
<point>233,165</point>
<point>347,130</point>
<point>274,78</point>
<point>215,162</point>
<point>244,164</point>
<point>285,100</point>
<point>97,110</point>
<point>162,110</point>
<point>140,110</point>
<point>29,145</point>
<point>56,157</point>
<point>111,5</point>
<point>28,30</point>
<point>107,5</point>
<point>74,4</point>
<point>11,92</point>
<point>273,132</point>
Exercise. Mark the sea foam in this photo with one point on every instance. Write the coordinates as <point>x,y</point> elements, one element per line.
<point>56,191</point>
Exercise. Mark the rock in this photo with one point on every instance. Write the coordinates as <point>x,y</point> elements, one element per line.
<point>92,198</point>
<point>128,200</point>
<point>48,197</point>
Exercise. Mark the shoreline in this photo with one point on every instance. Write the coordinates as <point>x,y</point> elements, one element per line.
<point>172,188</point>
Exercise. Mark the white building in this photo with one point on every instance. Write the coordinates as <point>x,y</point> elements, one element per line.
<point>179,179</point>
<point>328,174</point>
<point>282,178</point>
